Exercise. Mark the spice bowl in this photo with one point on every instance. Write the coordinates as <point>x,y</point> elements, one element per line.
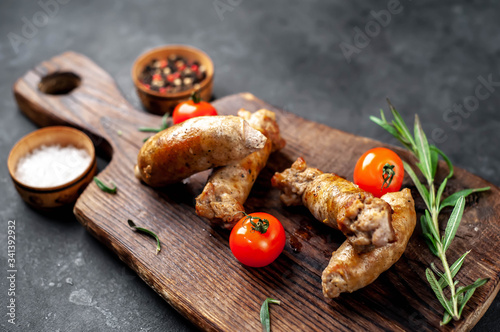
<point>165,100</point>
<point>53,141</point>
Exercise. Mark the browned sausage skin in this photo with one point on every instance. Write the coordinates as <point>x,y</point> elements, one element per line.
<point>196,145</point>
<point>228,187</point>
<point>338,203</point>
<point>349,271</point>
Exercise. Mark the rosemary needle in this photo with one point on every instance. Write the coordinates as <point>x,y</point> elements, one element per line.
<point>147,231</point>
<point>164,125</point>
<point>149,129</point>
<point>104,187</point>
<point>265,318</point>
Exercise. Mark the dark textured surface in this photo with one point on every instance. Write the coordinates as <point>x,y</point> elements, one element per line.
<point>427,59</point>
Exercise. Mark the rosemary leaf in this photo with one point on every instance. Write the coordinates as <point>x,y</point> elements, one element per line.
<point>478,283</point>
<point>440,190</point>
<point>453,198</point>
<point>453,223</point>
<point>164,121</point>
<point>437,290</point>
<point>382,123</point>
<point>402,136</point>
<point>446,319</point>
<point>104,187</point>
<point>428,232</point>
<point>392,129</point>
<point>424,153</point>
<point>446,159</point>
<point>146,231</point>
<point>454,268</point>
<point>439,273</point>
<point>465,299</point>
<point>401,123</point>
<point>382,116</point>
<point>432,248</point>
<point>265,318</point>
<point>425,228</point>
<point>149,129</point>
<point>433,230</point>
<point>420,187</point>
<point>434,161</point>
<point>164,125</point>
<point>431,243</point>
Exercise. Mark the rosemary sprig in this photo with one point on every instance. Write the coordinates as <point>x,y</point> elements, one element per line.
<point>428,155</point>
<point>147,231</point>
<point>164,125</point>
<point>104,187</point>
<point>265,318</point>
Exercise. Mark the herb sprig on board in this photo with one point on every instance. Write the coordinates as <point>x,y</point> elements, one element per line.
<point>265,318</point>
<point>146,231</point>
<point>164,125</point>
<point>427,156</point>
<point>104,187</point>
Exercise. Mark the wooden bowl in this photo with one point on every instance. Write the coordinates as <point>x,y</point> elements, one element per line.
<point>64,194</point>
<point>161,103</point>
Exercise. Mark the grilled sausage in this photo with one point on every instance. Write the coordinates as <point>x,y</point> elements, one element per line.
<point>349,271</point>
<point>195,145</point>
<point>338,203</point>
<point>228,187</point>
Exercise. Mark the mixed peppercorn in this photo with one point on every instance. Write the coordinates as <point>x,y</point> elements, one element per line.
<point>174,74</point>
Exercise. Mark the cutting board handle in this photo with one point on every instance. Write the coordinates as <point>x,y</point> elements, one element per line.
<point>70,89</point>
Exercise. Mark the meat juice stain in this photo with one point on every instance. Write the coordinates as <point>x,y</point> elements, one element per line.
<point>303,233</point>
<point>295,243</point>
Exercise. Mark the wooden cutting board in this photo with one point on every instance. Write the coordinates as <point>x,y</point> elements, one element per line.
<point>196,273</point>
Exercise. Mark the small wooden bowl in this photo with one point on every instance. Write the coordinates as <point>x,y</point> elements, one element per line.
<point>161,103</point>
<point>64,194</point>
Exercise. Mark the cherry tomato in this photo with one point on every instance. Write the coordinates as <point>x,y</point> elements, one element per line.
<point>192,108</point>
<point>379,171</point>
<point>257,239</point>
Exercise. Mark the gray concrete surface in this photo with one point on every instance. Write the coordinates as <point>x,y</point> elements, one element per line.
<point>427,57</point>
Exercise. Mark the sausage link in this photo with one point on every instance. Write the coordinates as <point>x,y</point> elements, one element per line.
<point>338,203</point>
<point>349,270</point>
<point>196,145</point>
<point>228,187</point>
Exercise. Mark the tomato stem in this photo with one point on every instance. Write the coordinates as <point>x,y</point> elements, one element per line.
<point>387,175</point>
<point>260,226</point>
<point>196,97</point>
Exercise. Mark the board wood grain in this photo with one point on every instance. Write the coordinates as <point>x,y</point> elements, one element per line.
<point>196,273</point>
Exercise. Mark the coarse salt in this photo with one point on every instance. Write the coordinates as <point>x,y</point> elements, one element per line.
<point>52,165</point>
